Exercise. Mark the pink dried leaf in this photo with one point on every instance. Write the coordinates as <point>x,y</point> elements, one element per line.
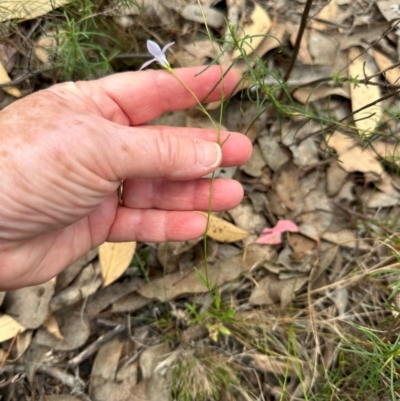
<point>273,236</point>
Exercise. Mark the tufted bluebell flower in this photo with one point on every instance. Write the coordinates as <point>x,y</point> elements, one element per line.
<point>158,53</point>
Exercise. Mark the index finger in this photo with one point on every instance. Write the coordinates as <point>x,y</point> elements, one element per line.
<point>145,95</point>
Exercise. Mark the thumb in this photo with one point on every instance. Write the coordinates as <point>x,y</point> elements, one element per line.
<point>155,152</point>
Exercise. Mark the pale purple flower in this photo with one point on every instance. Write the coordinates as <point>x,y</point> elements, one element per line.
<point>158,53</point>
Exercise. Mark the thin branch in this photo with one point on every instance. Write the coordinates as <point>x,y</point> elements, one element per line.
<point>303,25</point>
<point>94,346</point>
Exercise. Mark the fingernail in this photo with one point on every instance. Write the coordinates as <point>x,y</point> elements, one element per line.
<point>209,154</point>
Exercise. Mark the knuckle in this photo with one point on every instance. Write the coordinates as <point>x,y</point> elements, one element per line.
<point>168,149</point>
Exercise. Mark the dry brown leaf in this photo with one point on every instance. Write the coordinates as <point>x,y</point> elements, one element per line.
<point>247,219</point>
<point>51,325</point>
<point>44,46</point>
<point>9,328</point>
<point>374,199</point>
<point>327,13</point>
<point>254,167</point>
<point>335,178</point>
<point>353,157</point>
<point>151,357</point>
<point>20,346</point>
<point>304,54</point>
<point>346,238</point>
<point>103,298</point>
<point>275,155</point>
<point>287,185</point>
<point>317,213</point>
<point>4,78</point>
<point>270,290</point>
<point>115,258</point>
<point>272,41</point>
<point>30,305</point>
<point>223,231</point>
<point>259,25</point>
<point>74,327</point>
<point>214,18</point>
<point>300,245</point>
<point>67,276</point>
<point>323,48</point>
<point>389,9</point>
<point>87,283</point>
<point>25,10</point>
<point>311,94</point>
<point>361,94</point>
<point>384,62</point>
<point>105,364</point>
<point>7,56</point>
<point>130,303</point>
<point>168,287</point>
<point>361,34</point>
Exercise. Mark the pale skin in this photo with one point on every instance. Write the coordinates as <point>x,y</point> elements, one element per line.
<point>64,152</point>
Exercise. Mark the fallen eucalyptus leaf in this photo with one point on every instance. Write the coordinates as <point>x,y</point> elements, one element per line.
<point>25,10</point>
<point>254,32</point>
<point>223,231</point>
<point>115,258</point>
<point>4,78</point>
<point>361,94</point>
<point>9,328</point>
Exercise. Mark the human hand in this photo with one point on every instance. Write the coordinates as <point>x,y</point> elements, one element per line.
<point>64,152</point>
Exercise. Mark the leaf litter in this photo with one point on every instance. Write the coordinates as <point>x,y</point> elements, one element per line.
<point>298,263</point>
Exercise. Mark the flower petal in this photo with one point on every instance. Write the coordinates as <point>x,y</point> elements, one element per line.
<point>167,46</point>
<point>154,49</point>
<point>147,63</point>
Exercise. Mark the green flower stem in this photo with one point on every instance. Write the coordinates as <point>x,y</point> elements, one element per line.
<point>218,130</point>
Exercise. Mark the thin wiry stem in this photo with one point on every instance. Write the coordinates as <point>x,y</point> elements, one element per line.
<point>209,208</point>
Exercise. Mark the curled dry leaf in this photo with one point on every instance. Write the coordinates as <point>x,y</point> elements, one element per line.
<point>361,94</point>
<point>9,328</point>
<point>223,231</point>
<point>115,259</point>
<point>25,10</point>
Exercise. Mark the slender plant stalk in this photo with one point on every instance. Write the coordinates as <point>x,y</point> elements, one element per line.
<point>209,207</point>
